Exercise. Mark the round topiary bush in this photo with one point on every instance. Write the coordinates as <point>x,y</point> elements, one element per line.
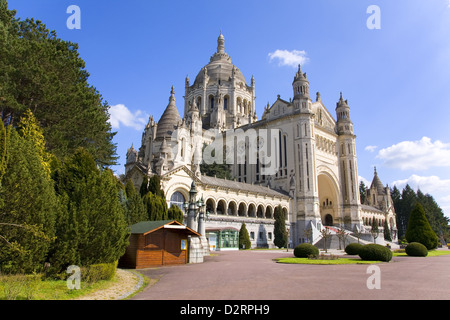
<point>353,248</point>
<point>305,250</point>
<point>375,252</point>
<point>416,249</point>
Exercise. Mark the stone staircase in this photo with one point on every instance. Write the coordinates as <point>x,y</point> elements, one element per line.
<point>333,241</point>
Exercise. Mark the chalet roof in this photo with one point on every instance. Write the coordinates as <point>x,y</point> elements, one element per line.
<point>145,227</point>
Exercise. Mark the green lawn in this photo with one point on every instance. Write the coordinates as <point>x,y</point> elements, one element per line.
<point>50,289</point>
<point>325,262</point>
<point>432,253</point>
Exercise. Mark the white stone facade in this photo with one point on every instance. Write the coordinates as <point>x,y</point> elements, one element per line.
<point>315,180</point>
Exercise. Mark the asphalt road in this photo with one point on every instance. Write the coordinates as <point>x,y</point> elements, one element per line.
<point>253,275</point>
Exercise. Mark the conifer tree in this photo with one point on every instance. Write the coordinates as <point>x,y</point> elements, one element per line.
<point>280,234</point>
<point>134,206</point>
<point>46,74</point>
<point>27,216</point>
<point>419,229</point>
<point>244,238</point>
<point>156,207</point>
<point>94,213</point>
<point>387,231</point>
<point>29,128</point>
<point>175,213</point>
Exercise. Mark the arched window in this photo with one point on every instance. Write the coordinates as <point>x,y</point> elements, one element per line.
<point>225,103</point>
<point>211,102</point>
<point>177,199</point>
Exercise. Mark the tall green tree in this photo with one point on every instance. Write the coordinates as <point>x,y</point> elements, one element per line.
<point>94,213</point>
<point>45,74</point>
<point>175,213</point>
<point>244,238</point>
<point>280,233</point>
<point>29,128</point>
<point>419,229</point>
<point>362,192</point>
<point>134,206</point>
<point>156,207</point>
<point>27,214</point>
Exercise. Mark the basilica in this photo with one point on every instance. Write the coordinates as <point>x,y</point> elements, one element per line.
<point>298,157</point>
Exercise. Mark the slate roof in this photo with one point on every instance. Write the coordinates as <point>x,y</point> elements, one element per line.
<point>231,184</point>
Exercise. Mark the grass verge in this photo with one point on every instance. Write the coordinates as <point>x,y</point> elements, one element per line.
<point>432,253</point>
<point>325,262</point>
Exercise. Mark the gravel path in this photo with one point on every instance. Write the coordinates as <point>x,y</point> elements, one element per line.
<point>127,283</point>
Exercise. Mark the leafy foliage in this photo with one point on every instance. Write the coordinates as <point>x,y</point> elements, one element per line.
<point>95,229</point>
<point>306,250</point>
<point>44,74</point>
<point>375,252</point>
<point>175,213</point>
<point>29,205</point>
<point>404,203</point>
<point>134,207</point>
<point>353,248</point>
<point>416,249</point>
<point>244,238</point>
<point>419,230</point>
<point>280,233</point>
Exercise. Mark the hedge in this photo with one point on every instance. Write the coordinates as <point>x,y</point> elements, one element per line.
<point>416,249</point>
<point>97,272</point>
<point>375,252</point>
<point>353,248</point>
<point>305,250</point>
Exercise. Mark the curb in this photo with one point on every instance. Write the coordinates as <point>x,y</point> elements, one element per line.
<point>136,288</point>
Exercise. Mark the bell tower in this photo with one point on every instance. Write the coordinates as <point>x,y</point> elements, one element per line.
<point>348,164</point>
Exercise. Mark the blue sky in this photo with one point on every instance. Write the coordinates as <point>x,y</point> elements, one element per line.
<point>396,78</point>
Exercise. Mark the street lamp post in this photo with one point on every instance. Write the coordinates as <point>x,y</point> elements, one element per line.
<point>192,210</point>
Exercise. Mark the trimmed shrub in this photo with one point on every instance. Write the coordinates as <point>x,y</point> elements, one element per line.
<point>416,249</point>
<point>419,229</point>
<point>97,272</point>
<point>375,252</point>
<point>305,250</point>
<point>353,248</point>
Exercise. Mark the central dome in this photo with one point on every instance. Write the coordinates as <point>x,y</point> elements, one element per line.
<point>220,68</point>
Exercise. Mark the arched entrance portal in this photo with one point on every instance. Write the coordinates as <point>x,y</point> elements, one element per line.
<point>328,220</point>
<point>328,197</point>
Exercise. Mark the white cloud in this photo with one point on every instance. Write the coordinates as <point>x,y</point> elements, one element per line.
<point>371,148</point>
<point>289,58</point>
<point>121,115</point>
<point>366,182</point>
<point>416,155</point>
<point>433,185</point>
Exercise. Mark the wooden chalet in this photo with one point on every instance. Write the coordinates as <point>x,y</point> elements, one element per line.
<point>157,243</point>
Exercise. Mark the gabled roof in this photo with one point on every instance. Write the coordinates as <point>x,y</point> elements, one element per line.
<point>146,227</point>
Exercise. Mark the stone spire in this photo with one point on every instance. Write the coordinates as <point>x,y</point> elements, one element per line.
<point>169,120</point>
<point>221,43</point>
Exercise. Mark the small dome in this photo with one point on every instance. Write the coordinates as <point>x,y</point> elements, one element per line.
<point>169,120</point>
<point>220,67</point>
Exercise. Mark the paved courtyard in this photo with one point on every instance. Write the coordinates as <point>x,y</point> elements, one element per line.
<point>253,275</point>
